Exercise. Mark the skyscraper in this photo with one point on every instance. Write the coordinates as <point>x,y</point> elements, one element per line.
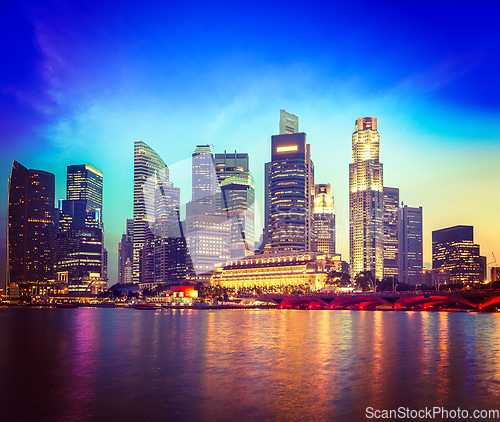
<point>84,182</point>
<point>391,238</point>
<point>291,182</point>
<point>237,200</point>
<point>366,201</point>
<point>30,230</point>
<point>208,231</point>
<point>410,249</point>
<point>125,251</point>
<point>80,241</point>
<point>204,180</point>
<point>453,250</point>
<point>149,170</point>
<point>323,226</point>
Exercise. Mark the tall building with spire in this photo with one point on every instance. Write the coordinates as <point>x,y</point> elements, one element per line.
<point>289,190</point>
<point>366,200</point>
<point>31,225</point>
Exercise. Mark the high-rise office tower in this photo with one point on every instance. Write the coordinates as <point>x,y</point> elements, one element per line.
<point>84,182</point>
<point>410,249</point>
<point>391,206</point>
<point>453,250</point>
<point>289,123</point>
<point>204,180</point>
<point>366,200</point>
<point>80,242</point>
<point>149,170</point>
<point>125,251</point>
<point>208,231</point>
<point>291,185</point>
<point>30,229</point>
<point>236,200</point>
<point>323,226</point>
<point>159,247</point>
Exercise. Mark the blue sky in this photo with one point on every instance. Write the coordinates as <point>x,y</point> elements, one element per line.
<point>80,81</point>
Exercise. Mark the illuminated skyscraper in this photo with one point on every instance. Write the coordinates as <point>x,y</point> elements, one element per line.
<point>410,245</point>
<point>291,183</point>
<point>289,123</point>
<point>204,180</point>
<point>85,182</point>
<point>237,200</point>
<point>149,168</point>
<point>30,229</point>
<point>366,200</point>
<point>323,226</point>
<point>391,206</point>
<point>453,250</point>
<point>125,252</point>
<point>80,241</point>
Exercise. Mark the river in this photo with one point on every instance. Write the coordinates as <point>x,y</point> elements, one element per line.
<point>87,364</point>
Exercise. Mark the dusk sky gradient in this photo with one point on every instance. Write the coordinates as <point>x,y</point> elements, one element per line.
<point>80,81</point>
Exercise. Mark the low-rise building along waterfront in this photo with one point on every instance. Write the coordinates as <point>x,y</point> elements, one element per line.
<point>277,270</point>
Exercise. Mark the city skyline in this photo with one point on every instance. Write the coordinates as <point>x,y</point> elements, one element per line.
<point>65,102</point>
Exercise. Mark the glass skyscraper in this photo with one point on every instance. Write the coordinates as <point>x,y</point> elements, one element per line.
<point>366,200</point>
<point>30,229</point>
<point>323,226</point>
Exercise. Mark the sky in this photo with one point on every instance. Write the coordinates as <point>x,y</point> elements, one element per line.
<point>80,81</point>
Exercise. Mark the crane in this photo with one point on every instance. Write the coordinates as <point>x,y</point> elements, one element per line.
<point>494,261</point>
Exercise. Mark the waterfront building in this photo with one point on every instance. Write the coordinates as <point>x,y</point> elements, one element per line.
<point>125,251</point>
<point>366,200</point>
<point>323,225</point>
<point>391,238</point>
<point>149,170</point>
<point>80,242</point>
<point>208,238</point>
<point>31,225</point>
<point>410,249</point>
<point>453,250</point>
<point>236,200</point>
<point>276,271</point>
<point>289,124</point>
<point>290,184</point>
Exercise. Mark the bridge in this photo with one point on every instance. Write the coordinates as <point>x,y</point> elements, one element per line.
<point>479,300</point>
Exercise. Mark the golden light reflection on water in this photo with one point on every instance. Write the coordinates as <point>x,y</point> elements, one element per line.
<point>250,365</point>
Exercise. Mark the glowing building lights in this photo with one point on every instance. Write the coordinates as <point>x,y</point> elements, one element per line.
<point>366,200</point>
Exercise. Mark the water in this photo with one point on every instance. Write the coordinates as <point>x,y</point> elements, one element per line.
<point>219,365</point>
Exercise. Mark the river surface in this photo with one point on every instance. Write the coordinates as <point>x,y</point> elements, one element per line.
<point>243,365</point>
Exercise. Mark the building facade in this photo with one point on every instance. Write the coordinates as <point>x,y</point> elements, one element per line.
<point>31,231</point>
<point>277,271</point>
<point>80,238</point>
<point>454,251</point>
<point>149,169</point>
<point>125,253</point>
<point>366,200</point>
<point>323,224</point>
<point>237,200</point>
<point>410,245</point>
<point>391,237</point>
<point>291,186</point>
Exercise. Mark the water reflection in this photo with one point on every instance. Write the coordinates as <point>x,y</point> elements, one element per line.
<point>98,364</point>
